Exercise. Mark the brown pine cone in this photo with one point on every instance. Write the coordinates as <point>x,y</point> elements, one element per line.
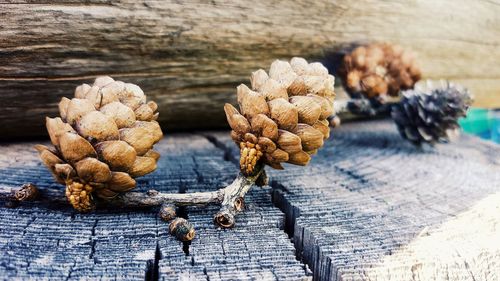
<point>103,140</point>
<point>379,69</point>
<point>283,118</point>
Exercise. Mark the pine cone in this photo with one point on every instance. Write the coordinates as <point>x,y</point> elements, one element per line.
<point>284,117</point>
<point>431,115</point>
<point>379,69</point>
<point>103,140</point>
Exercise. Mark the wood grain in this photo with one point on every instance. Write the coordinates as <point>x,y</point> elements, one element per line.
<point>369,206</point>
<point>40,241</point>
<point>190,56</point>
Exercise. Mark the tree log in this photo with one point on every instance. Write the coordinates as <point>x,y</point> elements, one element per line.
<point>369,206</point>
<point>190,56</point>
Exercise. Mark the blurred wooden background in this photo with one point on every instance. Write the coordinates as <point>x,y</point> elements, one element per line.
<point>189,56</point>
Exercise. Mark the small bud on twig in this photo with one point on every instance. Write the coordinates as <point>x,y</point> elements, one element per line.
<point>182,229</point>
<point>167,212</point>
<point>28,192</point>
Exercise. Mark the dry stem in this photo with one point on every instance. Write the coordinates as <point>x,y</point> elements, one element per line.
<point>362,107</point>
<point>230,198</point>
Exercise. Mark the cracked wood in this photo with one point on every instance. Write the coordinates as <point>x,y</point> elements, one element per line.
<point>52,241</point>
<point>370,206</point>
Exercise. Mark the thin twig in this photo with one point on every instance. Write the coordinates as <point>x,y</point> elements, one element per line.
<point>153,198</point>
<point>234,195</point>
<point>230,198</point>
<point>362,107</point>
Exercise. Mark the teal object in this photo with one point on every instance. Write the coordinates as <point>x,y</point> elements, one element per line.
<point>484,123</point>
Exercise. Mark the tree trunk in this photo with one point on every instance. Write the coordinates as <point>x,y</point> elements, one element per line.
<point>190,56</point>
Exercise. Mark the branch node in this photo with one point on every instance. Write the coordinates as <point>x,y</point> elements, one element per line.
<point>224,218</point>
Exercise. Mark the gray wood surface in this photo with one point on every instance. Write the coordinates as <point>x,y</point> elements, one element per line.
<point>190,56</point>
<point>369,206</point>
<point>55,243</point>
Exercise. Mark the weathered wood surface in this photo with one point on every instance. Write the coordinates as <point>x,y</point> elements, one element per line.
<point>372,207</point>
<point>369,206</point>
<point>55,243</point>
<point>190,56</point>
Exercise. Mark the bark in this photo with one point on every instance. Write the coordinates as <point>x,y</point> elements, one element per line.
<point>189,57</point>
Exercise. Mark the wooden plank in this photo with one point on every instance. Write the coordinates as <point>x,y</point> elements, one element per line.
<point>371,206</point>
<point>190,56</point>
<point>53,242</point>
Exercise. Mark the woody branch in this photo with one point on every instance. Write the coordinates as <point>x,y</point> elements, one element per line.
<point>231,198</point>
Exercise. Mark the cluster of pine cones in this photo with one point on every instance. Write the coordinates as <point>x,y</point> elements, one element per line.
<point>371,73</point>
<point>379,69</point>
<point>283,118</point>
<point>102,140</point>
<point>104,136</point>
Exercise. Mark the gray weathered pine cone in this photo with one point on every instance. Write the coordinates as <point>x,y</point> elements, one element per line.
<point>102,140</point>
<point>431,115</point>
<point>283,118</point>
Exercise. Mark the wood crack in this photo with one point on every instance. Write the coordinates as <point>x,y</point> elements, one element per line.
<point>93,241</point>
<point>199,176</point>
<point>228,152</point>
<point>70,271</point>
<point>230,156</point>
<point>32,220</point>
